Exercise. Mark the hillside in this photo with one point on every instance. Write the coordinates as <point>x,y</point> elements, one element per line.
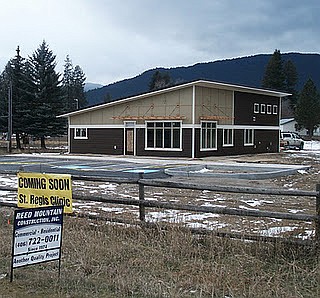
<point>247,71</point>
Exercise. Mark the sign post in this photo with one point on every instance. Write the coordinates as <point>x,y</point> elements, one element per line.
<point>37,236</point>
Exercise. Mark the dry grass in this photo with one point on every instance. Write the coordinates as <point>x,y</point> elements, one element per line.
<point>104,260</point>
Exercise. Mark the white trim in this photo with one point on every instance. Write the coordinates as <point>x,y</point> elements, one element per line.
<point>172,136</point>
<point>260,127</point>
<point>75,137</point>
<point>256,108</point>
<point>232,138</point>
<point>269,109</point>
<point>233,117</point>
<point>69,135</point>
<point>96,125</point>
<point>184,125</point>
<point>262,108</point>
<point>244,138</point>
<point>275,109</point>
<point>125,127</point>
<point>216,137</point>
<point>193,134</point>
<point>163,149</point>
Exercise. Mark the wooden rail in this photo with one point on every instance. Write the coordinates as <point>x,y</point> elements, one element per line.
<point>142,203</point>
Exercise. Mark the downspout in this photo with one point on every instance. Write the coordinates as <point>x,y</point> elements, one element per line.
<point>193,120</point>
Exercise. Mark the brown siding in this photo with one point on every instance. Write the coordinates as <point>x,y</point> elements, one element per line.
<point>264,141</point>
<point>186,145</point>
<point>243,109</point>
<point>100,141</point>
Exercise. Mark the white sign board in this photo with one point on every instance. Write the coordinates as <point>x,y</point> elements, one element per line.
<point>37,235</point>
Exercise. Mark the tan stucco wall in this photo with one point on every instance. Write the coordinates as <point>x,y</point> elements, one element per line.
<point>209,102</point>
<point>214,102</point>
<point>174,103</point>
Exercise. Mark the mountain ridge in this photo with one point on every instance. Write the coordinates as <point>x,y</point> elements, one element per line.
<point>246,71</point>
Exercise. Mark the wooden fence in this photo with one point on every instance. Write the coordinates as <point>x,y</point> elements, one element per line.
<point>143,204</point>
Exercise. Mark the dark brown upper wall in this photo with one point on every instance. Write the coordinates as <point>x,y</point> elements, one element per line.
<point>244,113</point>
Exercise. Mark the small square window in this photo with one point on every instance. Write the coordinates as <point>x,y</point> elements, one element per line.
<point>263,108</point>
<point>80,133</point>
<point>256,108</point>
<point>269,109</point>
<point>275,110</point>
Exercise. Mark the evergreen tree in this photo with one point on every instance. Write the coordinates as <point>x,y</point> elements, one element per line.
<point>17,76</point>
<point>67,85</point>
<point>274,76</point>
<point>48,102</point>
<point>291,78</point>
<point>73,86</point>
<point>4,84</point>
<point>79,79</point>
<point>307,111</point>
<point>159,80</point>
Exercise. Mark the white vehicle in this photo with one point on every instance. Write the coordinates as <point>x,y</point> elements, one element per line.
<point>291,140</point>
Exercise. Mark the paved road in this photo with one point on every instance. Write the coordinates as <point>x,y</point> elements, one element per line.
<point>80,166</point>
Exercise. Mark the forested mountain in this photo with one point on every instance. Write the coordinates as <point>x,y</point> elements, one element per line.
<point>247,71</point>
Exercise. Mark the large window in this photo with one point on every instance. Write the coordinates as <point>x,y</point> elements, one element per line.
<point>80,133</point>
<point>227,137</point>
<point>208,135</point>
<point>248,137</point>
<point>163,135</point>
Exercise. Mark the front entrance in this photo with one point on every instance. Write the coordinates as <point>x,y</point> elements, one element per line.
<point>129,136</point>
<point>129,141</point>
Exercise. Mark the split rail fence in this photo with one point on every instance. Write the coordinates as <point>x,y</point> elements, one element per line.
<point>142,203</point>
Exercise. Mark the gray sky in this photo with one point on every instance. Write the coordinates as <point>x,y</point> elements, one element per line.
<point>115,40</point>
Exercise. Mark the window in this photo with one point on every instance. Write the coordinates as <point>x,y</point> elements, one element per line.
<point>263,108</point>
<point>163,135</point>
<point>248,137</point>
<point>269,109</point>
<point>80,133</point>
<point>228,137</point>
<point>275,109</point>
<point>208,135</point>
<point>256,108</point>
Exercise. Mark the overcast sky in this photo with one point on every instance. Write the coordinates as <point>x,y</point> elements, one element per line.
<point>119,39</point>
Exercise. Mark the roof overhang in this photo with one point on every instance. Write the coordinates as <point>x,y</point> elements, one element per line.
<point>200,83</point>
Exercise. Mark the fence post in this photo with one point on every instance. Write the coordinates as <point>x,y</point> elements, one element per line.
<point>142,213</point>
<point>317,221</point>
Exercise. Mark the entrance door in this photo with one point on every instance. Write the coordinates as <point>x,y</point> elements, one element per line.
<point>129,141</point>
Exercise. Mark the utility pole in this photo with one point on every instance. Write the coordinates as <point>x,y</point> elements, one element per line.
<point>9,118</point>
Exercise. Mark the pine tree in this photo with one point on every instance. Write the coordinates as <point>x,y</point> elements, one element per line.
<point>291,78</point>
<point>307,113</point>
<point>274,76</point>
<point>16,74</point>
<point>67,85</point>
<point>78,85</point>
<point>48,102</point>
<point>73,86</point>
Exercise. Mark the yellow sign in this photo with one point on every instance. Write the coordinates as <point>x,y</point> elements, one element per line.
<point>43,190</point>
